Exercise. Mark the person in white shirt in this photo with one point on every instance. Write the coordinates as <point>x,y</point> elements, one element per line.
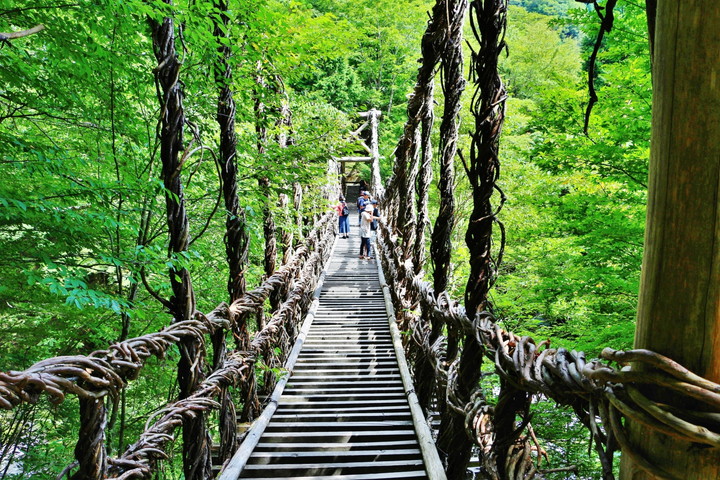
<point>363,200</point>
<point>366,220</point>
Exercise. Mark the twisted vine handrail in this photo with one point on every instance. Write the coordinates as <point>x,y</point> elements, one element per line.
<point>639,385</point>
<point>139,459</point>
<point>599,393</point>
<point>105,372</point>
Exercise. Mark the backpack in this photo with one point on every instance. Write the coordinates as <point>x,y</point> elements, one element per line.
<point>345,211</point>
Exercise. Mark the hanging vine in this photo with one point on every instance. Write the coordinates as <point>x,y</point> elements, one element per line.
<point>196,441</point>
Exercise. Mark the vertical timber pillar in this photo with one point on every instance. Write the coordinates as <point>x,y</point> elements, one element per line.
<point>374,119</point>
<point>679,304</point>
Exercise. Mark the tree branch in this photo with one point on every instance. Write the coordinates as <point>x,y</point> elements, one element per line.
<point>22,33</point>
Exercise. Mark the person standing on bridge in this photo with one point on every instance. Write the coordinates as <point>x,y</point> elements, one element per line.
<point>343,217</point>
<point>366,220</point>
<point>362,200</point>
<point>374,226</point>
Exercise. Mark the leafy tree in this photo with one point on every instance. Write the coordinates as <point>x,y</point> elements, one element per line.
<point>553,8</point>
<point>575,213</point>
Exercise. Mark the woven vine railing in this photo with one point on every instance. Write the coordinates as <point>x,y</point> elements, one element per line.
<point>447,343</point>
<point>102,374</point>
<point>599,393</point>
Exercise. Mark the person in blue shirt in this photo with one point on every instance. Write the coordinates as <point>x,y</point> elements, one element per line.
<point>363,200</point>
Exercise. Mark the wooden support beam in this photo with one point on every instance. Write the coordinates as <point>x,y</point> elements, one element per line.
<point>679,302</point>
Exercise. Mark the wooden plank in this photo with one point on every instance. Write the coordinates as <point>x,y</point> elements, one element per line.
<point>324,453</point>
<point>348,386</point>
<point>338,415</point>
<point>312,362</point>
<point>373,465</point>
<point>345,375</point>
<point>347,446</point>
<point>362,476</point>
<point>380,407</point>
<point>380,372</point>
<point>384,353</point>
<point>340,342</point>
<point>347,425</point>
<point>371,383</point>
<point>345,433</point>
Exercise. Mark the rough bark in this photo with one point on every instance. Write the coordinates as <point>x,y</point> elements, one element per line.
<point>236,238</point>
<point>453,85</point>
<point>269,229</point>
<point>286,232</point>
<point>196,444</point>
<point>419,107</point>
<point>423,186</point>
<point>651,9</point>
<point>373,120</point>
<point>679,303</point>
<point>90,449</point>
<point>261,121</point>
<point>4,37</point>
<point>488,19</point>
<point>297,202</point>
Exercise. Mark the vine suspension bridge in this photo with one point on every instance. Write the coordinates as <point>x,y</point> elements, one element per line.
<point>345,395</point>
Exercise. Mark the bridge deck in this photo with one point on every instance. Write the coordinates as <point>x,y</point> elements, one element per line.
<point>343,413</point>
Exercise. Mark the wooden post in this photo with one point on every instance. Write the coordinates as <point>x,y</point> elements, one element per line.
<point>679,305</point>
<point>374,118</point>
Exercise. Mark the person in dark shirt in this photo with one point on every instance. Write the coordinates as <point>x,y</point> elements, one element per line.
<point>363,200</point>
<point>374,226</point>
<point>343,218</point>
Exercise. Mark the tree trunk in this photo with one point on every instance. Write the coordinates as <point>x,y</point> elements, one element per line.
<point>679,305</point>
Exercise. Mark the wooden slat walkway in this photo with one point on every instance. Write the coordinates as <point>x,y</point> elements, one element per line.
<point>343,413</point>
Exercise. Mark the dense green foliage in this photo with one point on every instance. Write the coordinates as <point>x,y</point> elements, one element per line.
<point>81,202</point>
<point>576,214</point>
